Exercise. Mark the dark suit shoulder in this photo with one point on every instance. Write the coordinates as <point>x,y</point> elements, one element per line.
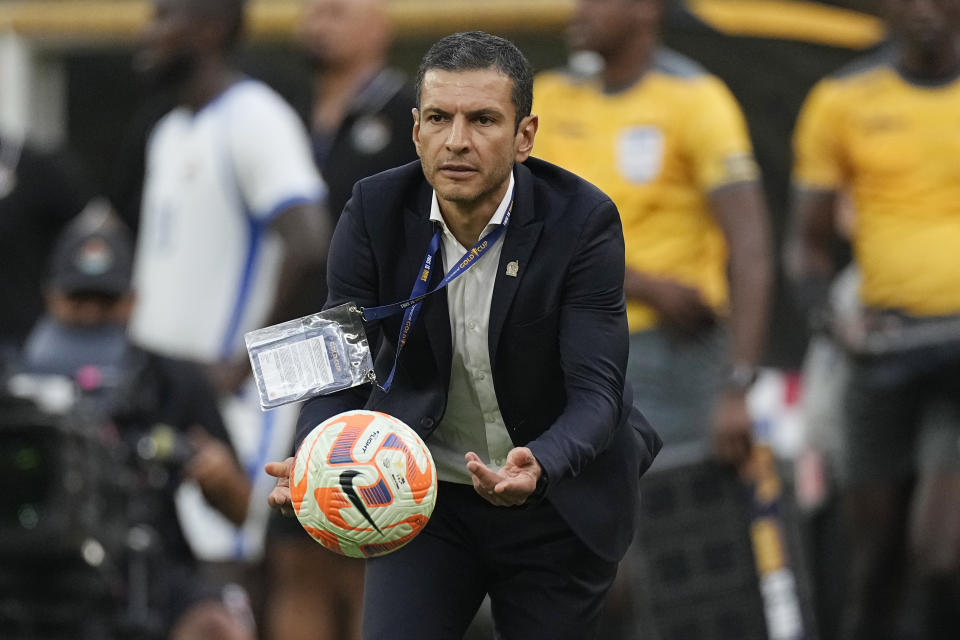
<point>387,185</point>
<point>561,192</point>
<point>387,193</point>
<point>555,193</point>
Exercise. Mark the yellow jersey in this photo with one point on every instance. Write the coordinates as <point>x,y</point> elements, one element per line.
<point>657,148</point>
<point>896,145</point>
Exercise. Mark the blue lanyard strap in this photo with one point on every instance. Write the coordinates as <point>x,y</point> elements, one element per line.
<point>411,306</point>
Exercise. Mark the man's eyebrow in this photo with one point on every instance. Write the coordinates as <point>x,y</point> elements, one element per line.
<point>476,113</point>
<point>436,110</point>
<point>485,111</point>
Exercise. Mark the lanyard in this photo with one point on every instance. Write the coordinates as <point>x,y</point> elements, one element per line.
<point>411,306</point>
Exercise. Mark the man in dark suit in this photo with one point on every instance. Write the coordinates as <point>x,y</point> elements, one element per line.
<point>513,374</point>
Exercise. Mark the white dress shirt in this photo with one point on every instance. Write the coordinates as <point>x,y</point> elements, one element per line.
<point>472,421</point>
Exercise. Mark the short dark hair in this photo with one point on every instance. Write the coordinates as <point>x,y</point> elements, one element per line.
<point>471,50</point>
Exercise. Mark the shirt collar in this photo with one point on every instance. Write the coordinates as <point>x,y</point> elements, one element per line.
<point>495,220</point>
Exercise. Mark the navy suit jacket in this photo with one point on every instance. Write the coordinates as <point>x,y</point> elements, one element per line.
<point>558,336</point>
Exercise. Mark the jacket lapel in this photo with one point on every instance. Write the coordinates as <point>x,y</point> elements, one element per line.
<point>519,241</point>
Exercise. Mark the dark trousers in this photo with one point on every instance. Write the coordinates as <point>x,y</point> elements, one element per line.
<point>542,580</point>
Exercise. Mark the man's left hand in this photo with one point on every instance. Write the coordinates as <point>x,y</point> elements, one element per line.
<point>512,485</point>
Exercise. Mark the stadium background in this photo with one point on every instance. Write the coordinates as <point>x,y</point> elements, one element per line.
<point>66,80</point>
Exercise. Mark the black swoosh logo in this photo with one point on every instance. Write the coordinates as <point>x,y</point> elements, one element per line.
<point>346,483</point>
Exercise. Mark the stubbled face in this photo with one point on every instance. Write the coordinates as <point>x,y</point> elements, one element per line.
<point>927,25</point>
<point>603,26</point>
<point>466,135</point>
<point>333,32</point>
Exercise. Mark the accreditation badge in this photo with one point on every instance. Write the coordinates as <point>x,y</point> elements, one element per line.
<point>640,153</point>
<point>311,356</point>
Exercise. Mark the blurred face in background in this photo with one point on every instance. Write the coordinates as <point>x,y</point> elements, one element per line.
<point>169,44</point>
<point>604,26</point>
<point>925,25</point>
<point>89,310</point>
<point>336,33</point>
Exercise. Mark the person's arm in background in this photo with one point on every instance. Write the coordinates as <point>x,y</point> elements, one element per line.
<point>214,465</point>
<point>742,216</point>
<point>305,232</point>
<point>819,174</point>
<point>718,143</point>
<point>818,177</point>
<point>741,213</point>
<point>215,469</point>
<point>809,248</point>
<point>284,195</point>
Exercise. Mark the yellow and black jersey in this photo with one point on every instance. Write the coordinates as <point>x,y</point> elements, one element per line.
<point>895,143</point>
<point>657,149</point>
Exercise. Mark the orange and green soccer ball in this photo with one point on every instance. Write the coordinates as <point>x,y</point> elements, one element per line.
<point>363,484</point>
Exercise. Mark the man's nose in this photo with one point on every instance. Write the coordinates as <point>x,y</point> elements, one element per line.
<point>458,137</point>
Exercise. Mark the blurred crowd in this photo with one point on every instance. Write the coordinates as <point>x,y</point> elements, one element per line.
<point>224,200</point>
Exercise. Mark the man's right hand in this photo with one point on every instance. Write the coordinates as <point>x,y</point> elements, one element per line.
<point>279,497</point>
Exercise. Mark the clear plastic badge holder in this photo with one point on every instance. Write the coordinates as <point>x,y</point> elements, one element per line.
<point>310,356</point>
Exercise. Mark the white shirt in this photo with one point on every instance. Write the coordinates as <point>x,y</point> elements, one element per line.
<point>207,264</point>
<point>472,421</point>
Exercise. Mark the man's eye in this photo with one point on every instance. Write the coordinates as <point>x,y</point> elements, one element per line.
<point>485,120</point>
<point>435,117</point>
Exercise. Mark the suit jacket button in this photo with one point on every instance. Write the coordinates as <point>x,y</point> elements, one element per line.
<point>426,423</point>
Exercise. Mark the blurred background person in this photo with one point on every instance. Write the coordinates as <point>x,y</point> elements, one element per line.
<point>360,119</point>
<point>82,336</point>
<point>40,191</point>
<point>885,129</point>
<point>668,143</point>
<point>767,54</point>
<point>360,123</point>
<point>825,373</point>
<point>232,237</point>
<point>359,113</point>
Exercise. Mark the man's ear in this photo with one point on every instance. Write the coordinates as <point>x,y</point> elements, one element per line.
<point>526,133</point>
<point>416,128</point>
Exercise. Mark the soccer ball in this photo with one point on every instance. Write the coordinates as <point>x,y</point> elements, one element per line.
<point>363,484</point>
